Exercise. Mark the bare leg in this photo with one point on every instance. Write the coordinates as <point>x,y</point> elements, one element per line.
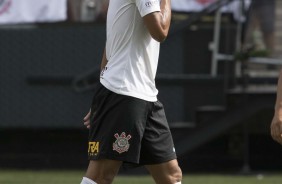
<point>165,173</point>
<point>103,171</point>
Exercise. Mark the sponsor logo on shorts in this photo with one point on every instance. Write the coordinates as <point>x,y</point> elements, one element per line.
<point>121,144</point>
<point>5,6</point>
<point>151,3</point>
<point>93,148</point>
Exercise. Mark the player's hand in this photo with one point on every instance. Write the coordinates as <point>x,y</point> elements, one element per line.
<point>86,119</point>
<point>276,129</point>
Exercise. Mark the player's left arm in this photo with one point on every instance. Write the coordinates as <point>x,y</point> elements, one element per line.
<point>104,60</point>
<point>276,124</point>
<point>86,119</point>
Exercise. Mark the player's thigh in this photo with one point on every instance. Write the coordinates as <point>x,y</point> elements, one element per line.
<point>102,170</point>
<point>165,173</point>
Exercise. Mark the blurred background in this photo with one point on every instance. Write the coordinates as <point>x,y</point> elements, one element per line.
<point>217,79</point>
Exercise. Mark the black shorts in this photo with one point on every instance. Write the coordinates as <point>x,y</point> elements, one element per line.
<point>128,129</point>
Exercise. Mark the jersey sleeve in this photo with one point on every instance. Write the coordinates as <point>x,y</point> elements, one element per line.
<point>148,6</point>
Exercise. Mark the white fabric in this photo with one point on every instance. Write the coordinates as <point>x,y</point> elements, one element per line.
<point>178,182</point>
<point>29,11</point>
<point>87,181</point>
<point>131,52</point>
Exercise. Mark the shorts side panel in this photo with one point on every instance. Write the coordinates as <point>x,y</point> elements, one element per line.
<point>157,143</point>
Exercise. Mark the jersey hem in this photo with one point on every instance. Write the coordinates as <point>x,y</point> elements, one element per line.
<point>148,12</point>
<point>107,85</point>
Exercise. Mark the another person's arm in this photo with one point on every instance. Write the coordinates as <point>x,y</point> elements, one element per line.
<point>158,23</point>
<point>276,124</point>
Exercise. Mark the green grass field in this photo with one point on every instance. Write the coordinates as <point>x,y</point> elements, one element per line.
<point>74,177</point>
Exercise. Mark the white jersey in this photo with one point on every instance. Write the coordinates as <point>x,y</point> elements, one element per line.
<point>131,52</point>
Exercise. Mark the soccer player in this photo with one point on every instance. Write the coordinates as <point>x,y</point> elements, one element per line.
<point>127,123</point>
<point>276,124</point>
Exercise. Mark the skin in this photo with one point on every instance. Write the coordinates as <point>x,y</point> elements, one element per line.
<point>103,171</point>
<point>158,23</point>
<point>276,124</point>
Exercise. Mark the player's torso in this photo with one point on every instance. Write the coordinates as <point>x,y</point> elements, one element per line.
<point>131,52</point>
<point>124,26</point>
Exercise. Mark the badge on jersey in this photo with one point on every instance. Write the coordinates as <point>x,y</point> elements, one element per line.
<point>121,144</point>
<point>151,3</point>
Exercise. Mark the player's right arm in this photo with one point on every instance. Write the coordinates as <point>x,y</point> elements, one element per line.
<point>276,124</point>
<point>104,60</point>
<point>158,23</point>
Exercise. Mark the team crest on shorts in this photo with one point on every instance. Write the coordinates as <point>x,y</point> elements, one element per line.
<point>121,144</point>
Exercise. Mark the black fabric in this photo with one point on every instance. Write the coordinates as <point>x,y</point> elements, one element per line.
<point>128,129</point>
